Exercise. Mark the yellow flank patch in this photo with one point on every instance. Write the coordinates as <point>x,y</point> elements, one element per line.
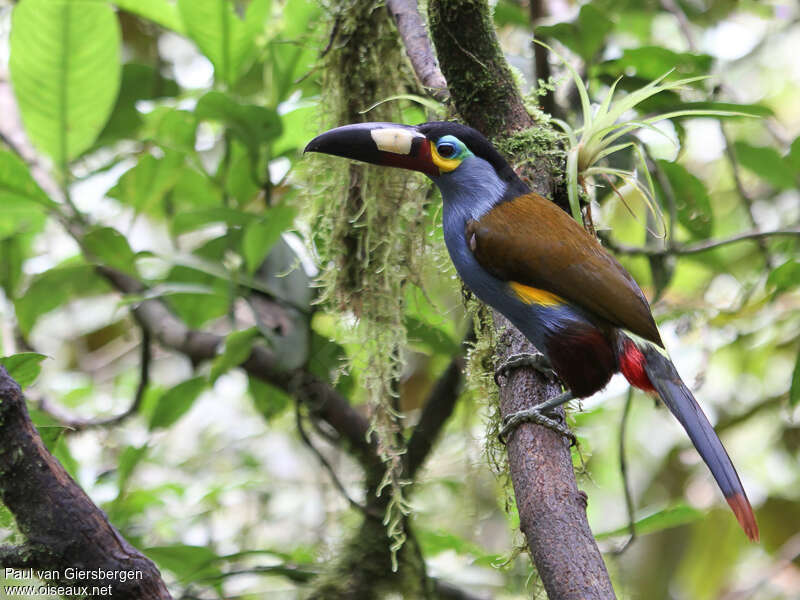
<point>532,295</point>
<point>445,164</point>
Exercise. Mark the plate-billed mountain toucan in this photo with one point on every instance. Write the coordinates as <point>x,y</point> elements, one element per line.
<point>528,259</point>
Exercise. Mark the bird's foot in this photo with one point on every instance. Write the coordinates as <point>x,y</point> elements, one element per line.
<point>536,361</point>
<point>541,415</point>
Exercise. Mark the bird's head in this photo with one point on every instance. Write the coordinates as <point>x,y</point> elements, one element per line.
<point>453,155</point>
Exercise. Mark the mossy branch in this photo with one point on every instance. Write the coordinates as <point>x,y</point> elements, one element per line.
<point>552,510</point>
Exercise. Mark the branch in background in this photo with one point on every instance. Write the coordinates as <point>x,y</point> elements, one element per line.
<point>683,22</point>
<point>57,518</point>
<point>74,424</point>
<point>623,469</point>
<point>551,509</point>
<point>683,249</point>
<point>743,195</point>
<point>328,466</point>
<point>437,410</point>
<point>321,399</point>
<point>541,62</point>
<point>411,28</point>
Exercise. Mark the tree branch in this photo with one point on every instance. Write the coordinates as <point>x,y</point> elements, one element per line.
<point>552,511</point>
<point>411,28</point>
<point>61,524</point>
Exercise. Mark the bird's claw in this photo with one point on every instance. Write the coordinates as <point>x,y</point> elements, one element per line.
<point>533,415</point>
<point>536,361</point>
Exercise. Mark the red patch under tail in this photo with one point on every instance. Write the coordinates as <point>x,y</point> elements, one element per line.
<point>631,365</point>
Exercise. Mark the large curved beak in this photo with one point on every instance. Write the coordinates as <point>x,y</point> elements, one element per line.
<point>387,144</point>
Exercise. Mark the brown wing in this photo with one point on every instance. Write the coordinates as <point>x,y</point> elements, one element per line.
<point>531,241</point>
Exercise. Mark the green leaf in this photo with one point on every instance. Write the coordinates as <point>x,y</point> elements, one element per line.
<point>16,183</point>
<point>188,563</point>
<point>145,186</point>
<point>431,336</point>
<point>222,36</point>
<point>651,62</point>
<point>767,163</point>
<point>196,309</point>
<point>53,288</point>
<point>663,519</point>
<point>128,459</point>
<point>109,247</point>
<point>268,400</point>
<point>755,110</point>
<point>298,129</point>
<point>65,69</point>
<point>24,204</point>
<point>195,219</point>
<point>171,128</point>
<point>238,346</point>
<point>13,252</point>
<point>794,389</point>
<point>251,124</point>
<point>691,198</point>
<point>785,277</point>
<point>507,12</point>
<point>23,367</point>
<point>793,158</point>
<point>260,236</point>
<point>585,36</point>
<point>159,11</point>
<point>176,402</point>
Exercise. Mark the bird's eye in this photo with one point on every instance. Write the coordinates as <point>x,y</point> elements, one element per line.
<point>446,149</point>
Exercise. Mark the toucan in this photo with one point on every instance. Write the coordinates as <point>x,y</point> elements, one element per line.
<point>527,258</point>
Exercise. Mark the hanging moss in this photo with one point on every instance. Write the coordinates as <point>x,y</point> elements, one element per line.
<point>369,226</point>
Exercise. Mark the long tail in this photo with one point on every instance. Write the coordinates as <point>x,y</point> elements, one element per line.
<point>664,380</point>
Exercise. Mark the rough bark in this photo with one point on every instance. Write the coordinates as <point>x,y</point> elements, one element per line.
<point>552,510</point>
<point>62,526</point>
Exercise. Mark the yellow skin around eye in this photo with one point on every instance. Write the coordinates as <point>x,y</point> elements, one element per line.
<point>445,164</point>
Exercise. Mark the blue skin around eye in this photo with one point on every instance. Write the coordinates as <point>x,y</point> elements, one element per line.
<point>460,149</point>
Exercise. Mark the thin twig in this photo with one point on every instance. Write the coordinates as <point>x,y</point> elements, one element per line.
<point>74,424</point>
<point>327,465</point>
<point>684,249</point>
<point>683,23</point>
<point>743,195</point>
<point>623,469</point>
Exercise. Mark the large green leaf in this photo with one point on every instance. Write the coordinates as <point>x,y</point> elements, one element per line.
<point>227,40</point>
<point>65,69</point>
